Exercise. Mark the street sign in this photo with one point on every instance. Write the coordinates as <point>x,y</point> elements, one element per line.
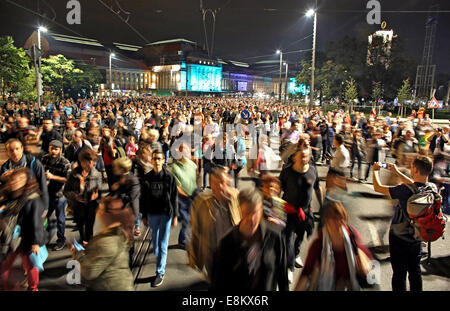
<point>433,104</point>
<point>33,50</point>
<point>245,114</point>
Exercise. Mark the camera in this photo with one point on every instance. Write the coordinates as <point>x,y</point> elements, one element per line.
<point>385,165</point>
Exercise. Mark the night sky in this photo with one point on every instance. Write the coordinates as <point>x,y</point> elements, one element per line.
<point>245,29</point>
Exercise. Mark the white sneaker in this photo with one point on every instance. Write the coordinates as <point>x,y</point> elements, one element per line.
<point>290,276</point>
<point>298,262</point>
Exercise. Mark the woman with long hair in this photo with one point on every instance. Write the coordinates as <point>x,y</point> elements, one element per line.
<point>21,205</point>
<point>336,258</point>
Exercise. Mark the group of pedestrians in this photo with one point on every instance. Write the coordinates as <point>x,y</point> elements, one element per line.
<point>118,163</point>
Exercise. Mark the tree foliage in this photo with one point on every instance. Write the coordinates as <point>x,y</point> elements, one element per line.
<point>348,57</point>
<point>26,89</point>
<point>13,64</point>
<point>377,92</point>
<point>57,71</point>
<point>404,93</point>
<point>85,81</point>
<point>351,92</point>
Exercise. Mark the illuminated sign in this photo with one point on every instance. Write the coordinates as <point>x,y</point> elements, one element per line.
<point>203,78</point>
<point>297,89</point>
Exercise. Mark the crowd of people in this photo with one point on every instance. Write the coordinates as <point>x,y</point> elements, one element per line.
<point>117,164</point>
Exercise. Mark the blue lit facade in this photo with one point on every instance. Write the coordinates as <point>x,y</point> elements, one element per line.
<point>297,89</point>
<point>203,78</point>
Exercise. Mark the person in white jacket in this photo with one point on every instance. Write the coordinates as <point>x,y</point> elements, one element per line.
<point>341,159</point>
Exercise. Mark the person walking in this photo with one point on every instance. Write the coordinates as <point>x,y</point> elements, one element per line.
<point>57,170</point>
<point>159,202</point>
<point>185,172</point>
<point>298,180</point>
<point>82,190</point>
<point>252,255</point>
<point>213,214</point>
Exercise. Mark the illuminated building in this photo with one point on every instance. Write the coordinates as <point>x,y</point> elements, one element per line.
<point>170,67</point>
<point>379,48</point>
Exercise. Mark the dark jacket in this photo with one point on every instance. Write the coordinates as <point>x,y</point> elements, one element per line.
<point>32,223</point>
<point>230,268</point>
<point>129,192</point>
<point>170,195</point>
<point>441,145</point>
<point>47,137</point>
<point>31,162</point>
<point>72,186</point>
<point>361,151</point>
<point>71,153</point>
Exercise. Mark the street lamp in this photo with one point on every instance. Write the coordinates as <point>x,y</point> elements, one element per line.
<point>40,29</point>
<point>281,64</point>
<point>311,13</point>
<point>38,80</point>
<point>285,82</point>
<point>111,55</point>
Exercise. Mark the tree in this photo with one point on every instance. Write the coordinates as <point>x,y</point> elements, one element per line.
<point>26,89</point>
<point>383,62</point>
<point>351,92</point>
<point>13,64</point>
<point>404,94</point>
<point>377,93</point>
<point>85,81</point>
<point>57,72</point>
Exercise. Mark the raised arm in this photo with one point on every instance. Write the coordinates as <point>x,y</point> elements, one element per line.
<point>377,186</point>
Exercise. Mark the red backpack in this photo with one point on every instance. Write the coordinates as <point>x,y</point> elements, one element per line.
<point>425,211</point>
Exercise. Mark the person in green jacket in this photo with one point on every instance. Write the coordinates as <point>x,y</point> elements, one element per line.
<point>185,172</point>
<point>105,262</point>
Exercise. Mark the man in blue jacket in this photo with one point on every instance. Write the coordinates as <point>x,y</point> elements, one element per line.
<point>17,159</point>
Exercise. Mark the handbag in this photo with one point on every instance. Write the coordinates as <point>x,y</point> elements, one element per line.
<point>39,259</point>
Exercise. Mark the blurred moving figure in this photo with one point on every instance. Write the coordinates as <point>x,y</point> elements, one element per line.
<point>213,214</point>
<point>18,159</point>
<point>298,180</point>
<point>333,261</point>
<point>104,264</point>
<point>252,255</point>
<point>185,172</point>
<point>21,205</point>
<point>127,188</point>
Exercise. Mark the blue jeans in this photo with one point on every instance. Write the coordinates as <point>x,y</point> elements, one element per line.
<point>59,206</point>
<point>137,222</point>
<point>160,226</point>
<point>184,204</point>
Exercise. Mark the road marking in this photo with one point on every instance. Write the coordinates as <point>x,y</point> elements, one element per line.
<point>374,234</point>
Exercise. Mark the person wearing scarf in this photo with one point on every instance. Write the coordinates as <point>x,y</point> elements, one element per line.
<point>333,263</point>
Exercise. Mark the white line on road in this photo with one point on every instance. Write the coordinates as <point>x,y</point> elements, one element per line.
<point>374,234</point>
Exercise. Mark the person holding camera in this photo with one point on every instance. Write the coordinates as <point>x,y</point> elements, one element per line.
<point>405,251</point>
